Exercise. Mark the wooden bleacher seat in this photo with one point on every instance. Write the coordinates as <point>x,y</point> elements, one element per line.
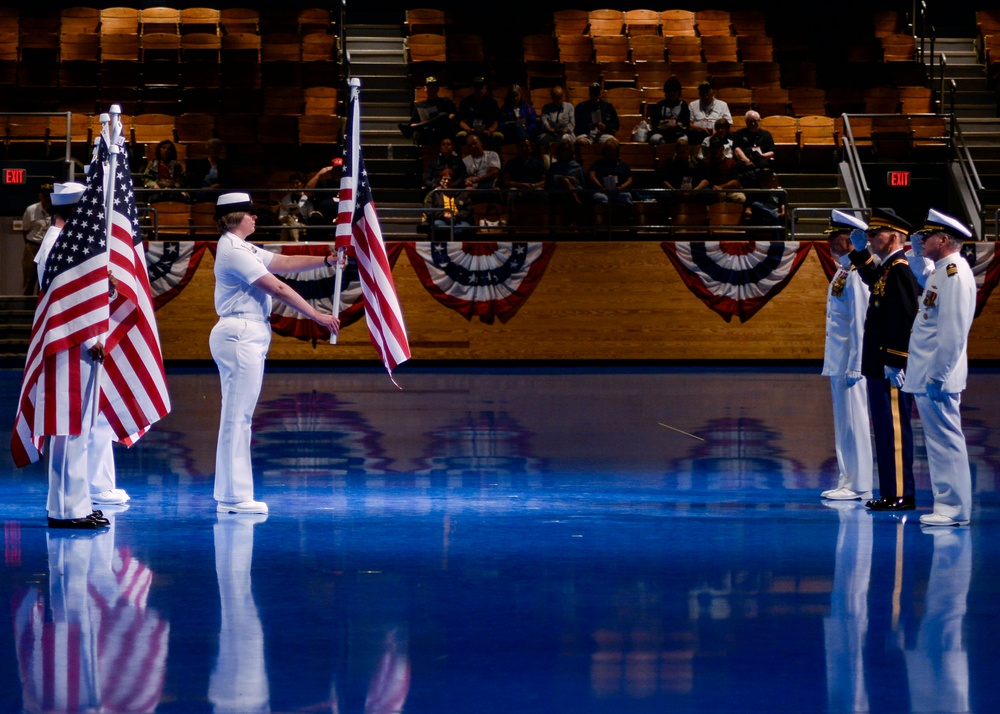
<point>690,74</point>
<point>882,100</point>
<point>770,101</point>
<point>277,129</point>
<point>236,128</point>
<point>807,101</point>
<point>315,20</point>
<point>762,74</point>
<point>688,217</point>
<point>319,47</point>
<point>916,100</point>
<point>464,48</point>
<point>898,48</point>
<point>284,100</point>
<point>648,48</point>
<point>152,128</point>
<point>119,21</point>
<point>642,23</point>
<point>122,48</point>
<point>755,48</point>
<point>674,23</point>
<point>316,129</point>
<point>281,47</point>
<point>719,48</point>
<point>426,47</point>
<point>539,48</point>
<point>426,20</point>
<point>240,20</point>
<point>785,132</point>
<point>240,47</point>
<point>79,47</point>
<point>798,73</point>
<point>606,22</point>
<point>194,128</point>
<point>931,139</point>
<point>611,48</point>
<point>885,22</point>
<point>626,100</point>
<point>197,20</point>
<point>201,46</point>
<point>618,74</point>
<point>684,48</point>
<point>570,22</point>
<point>652,74</point>
<point>749,22</point>
<point>321,101</point>
<point>818,140</point>
<point>844,100</point>
<point>726,74</point>
<point>157,46</point>
<point>160,20</point>
<point>575,48</point>
<point>79,20</point>
<point>172,218</point>
<point>713,22</point>
<point>891,138</point>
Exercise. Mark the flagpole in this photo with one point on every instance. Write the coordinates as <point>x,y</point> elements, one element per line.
<point>344,234</point>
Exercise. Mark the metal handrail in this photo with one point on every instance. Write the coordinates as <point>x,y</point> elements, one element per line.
<point>865,212</point>
<point>854,163</point>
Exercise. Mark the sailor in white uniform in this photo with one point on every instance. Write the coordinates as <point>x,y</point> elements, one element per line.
<point>846,303</point>
<point>938,365</point>
<point>244,286</point>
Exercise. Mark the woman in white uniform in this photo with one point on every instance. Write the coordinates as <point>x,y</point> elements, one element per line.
<point>244,287</point>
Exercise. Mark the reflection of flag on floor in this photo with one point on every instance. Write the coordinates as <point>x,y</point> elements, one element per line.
<point>357,227</point>
<point>736,278</point>
<point>489,280</point>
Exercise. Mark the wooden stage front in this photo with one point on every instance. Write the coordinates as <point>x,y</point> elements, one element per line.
<point>596,301</point>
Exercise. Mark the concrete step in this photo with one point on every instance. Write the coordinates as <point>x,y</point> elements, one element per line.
<point>990,152</point>
<point>980,111</point>
<point>385,96</point>
<point>374,45</point>
<point>814,196</point>
<point>396,111</point>
<point>381,81</point>
<point>373,30</point>
<point>809,181</point>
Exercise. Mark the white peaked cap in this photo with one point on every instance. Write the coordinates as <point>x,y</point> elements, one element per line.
<point>937,221</point>
<point>66,194</point>
<point>840,221</point>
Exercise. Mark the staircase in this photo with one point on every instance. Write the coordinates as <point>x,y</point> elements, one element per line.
<point>975,108</point>
<point>810,191</point>
<point>16,316</point>
<point>378,58</point>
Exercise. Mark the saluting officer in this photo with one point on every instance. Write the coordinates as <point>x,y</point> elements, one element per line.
<point>846,302</point>
<point>938,365</point>
<point>891,309</point>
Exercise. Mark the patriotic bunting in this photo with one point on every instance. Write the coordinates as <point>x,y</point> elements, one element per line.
<point>485,280</point>
<point>171,266</point>
<point>985,264</point>
<point>736,278</point>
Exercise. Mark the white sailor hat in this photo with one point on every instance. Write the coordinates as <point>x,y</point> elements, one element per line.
<point>66,194</point>
<point>236,202</point>
<point>939,222</point>
<point>841,222</point>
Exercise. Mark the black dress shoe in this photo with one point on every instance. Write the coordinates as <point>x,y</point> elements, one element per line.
<point>88,523</point>
<point>98,517</point>
<point>902,503</point>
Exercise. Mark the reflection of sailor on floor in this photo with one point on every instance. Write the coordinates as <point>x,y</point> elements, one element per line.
<point>938,666</point>
<point>239,681</point>
<point>845,628</point>
<point>98,647</point>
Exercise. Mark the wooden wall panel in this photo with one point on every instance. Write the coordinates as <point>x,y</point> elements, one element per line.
<point>597,301</point>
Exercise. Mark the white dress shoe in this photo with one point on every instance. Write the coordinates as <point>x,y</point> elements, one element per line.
<point>111,497</point>
<point>936,519</point>
<point>243,507</point>
<point>846,494</point>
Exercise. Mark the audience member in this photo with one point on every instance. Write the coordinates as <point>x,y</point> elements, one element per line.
<point>34,224</point>
<point>722,134</point>
<point>766,206</point>
<point>326,201</point>
<point>680,173</point>
<point>557,119</point>
<point>753,151</point>
<point>446,159</point>
<point>479,114</point>
<point>524,171</point>
<point>163,171</point>
<point>433,119</point>
<point>610,176</point>
<point>209,172</point>
<point>565,173</point>
<point>294,208</point>
<point>595,119</point>
<point>704,112</point>
<point>518,119</point>
<point>670,117</point>
<point>720,174</point>
<point>450,214</point>
<point>482,167</point>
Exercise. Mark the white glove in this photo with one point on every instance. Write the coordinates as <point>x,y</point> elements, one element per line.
<point>852,377</point>
<point>935,390</point>
<point>859,239</point>
<point>917,244</point>
<point>895,375</point>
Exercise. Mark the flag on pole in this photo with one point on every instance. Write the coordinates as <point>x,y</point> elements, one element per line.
<point>357,227</point>
<point>74,307</point>
<point>134,390</point>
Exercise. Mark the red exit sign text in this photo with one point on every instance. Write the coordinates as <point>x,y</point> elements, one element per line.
<point>898,178</point>
<point>14,176</point>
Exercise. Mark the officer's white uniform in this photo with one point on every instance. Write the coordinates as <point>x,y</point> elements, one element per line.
<point>239,344</point>
<point>938,352</point>
<point>846,303</point>
<point>93,453</point>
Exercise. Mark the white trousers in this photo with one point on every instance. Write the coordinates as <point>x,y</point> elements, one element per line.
<point>852,434</point>
<point>70,459</point>
<point>947,456</point>
<point>100,458</point>
<point>239,347</point>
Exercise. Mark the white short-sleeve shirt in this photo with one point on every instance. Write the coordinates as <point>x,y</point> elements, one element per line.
<point>237,265</point>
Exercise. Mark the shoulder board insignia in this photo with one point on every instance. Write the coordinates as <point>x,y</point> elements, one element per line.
<point>952,269</point>
<point>899,261</point>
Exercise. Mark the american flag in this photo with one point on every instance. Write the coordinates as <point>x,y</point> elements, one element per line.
<point>73,307</point>
<point>357,226</point>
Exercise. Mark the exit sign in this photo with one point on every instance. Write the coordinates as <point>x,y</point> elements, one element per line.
<point>14,176</point>
<point>898,178</point>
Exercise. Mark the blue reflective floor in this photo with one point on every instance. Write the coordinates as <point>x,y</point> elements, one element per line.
<point>505,540</point>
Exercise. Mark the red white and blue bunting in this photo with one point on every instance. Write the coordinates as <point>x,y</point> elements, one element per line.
<point>736,278</point>
<point>488,280</point>
<point>171,266</point>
